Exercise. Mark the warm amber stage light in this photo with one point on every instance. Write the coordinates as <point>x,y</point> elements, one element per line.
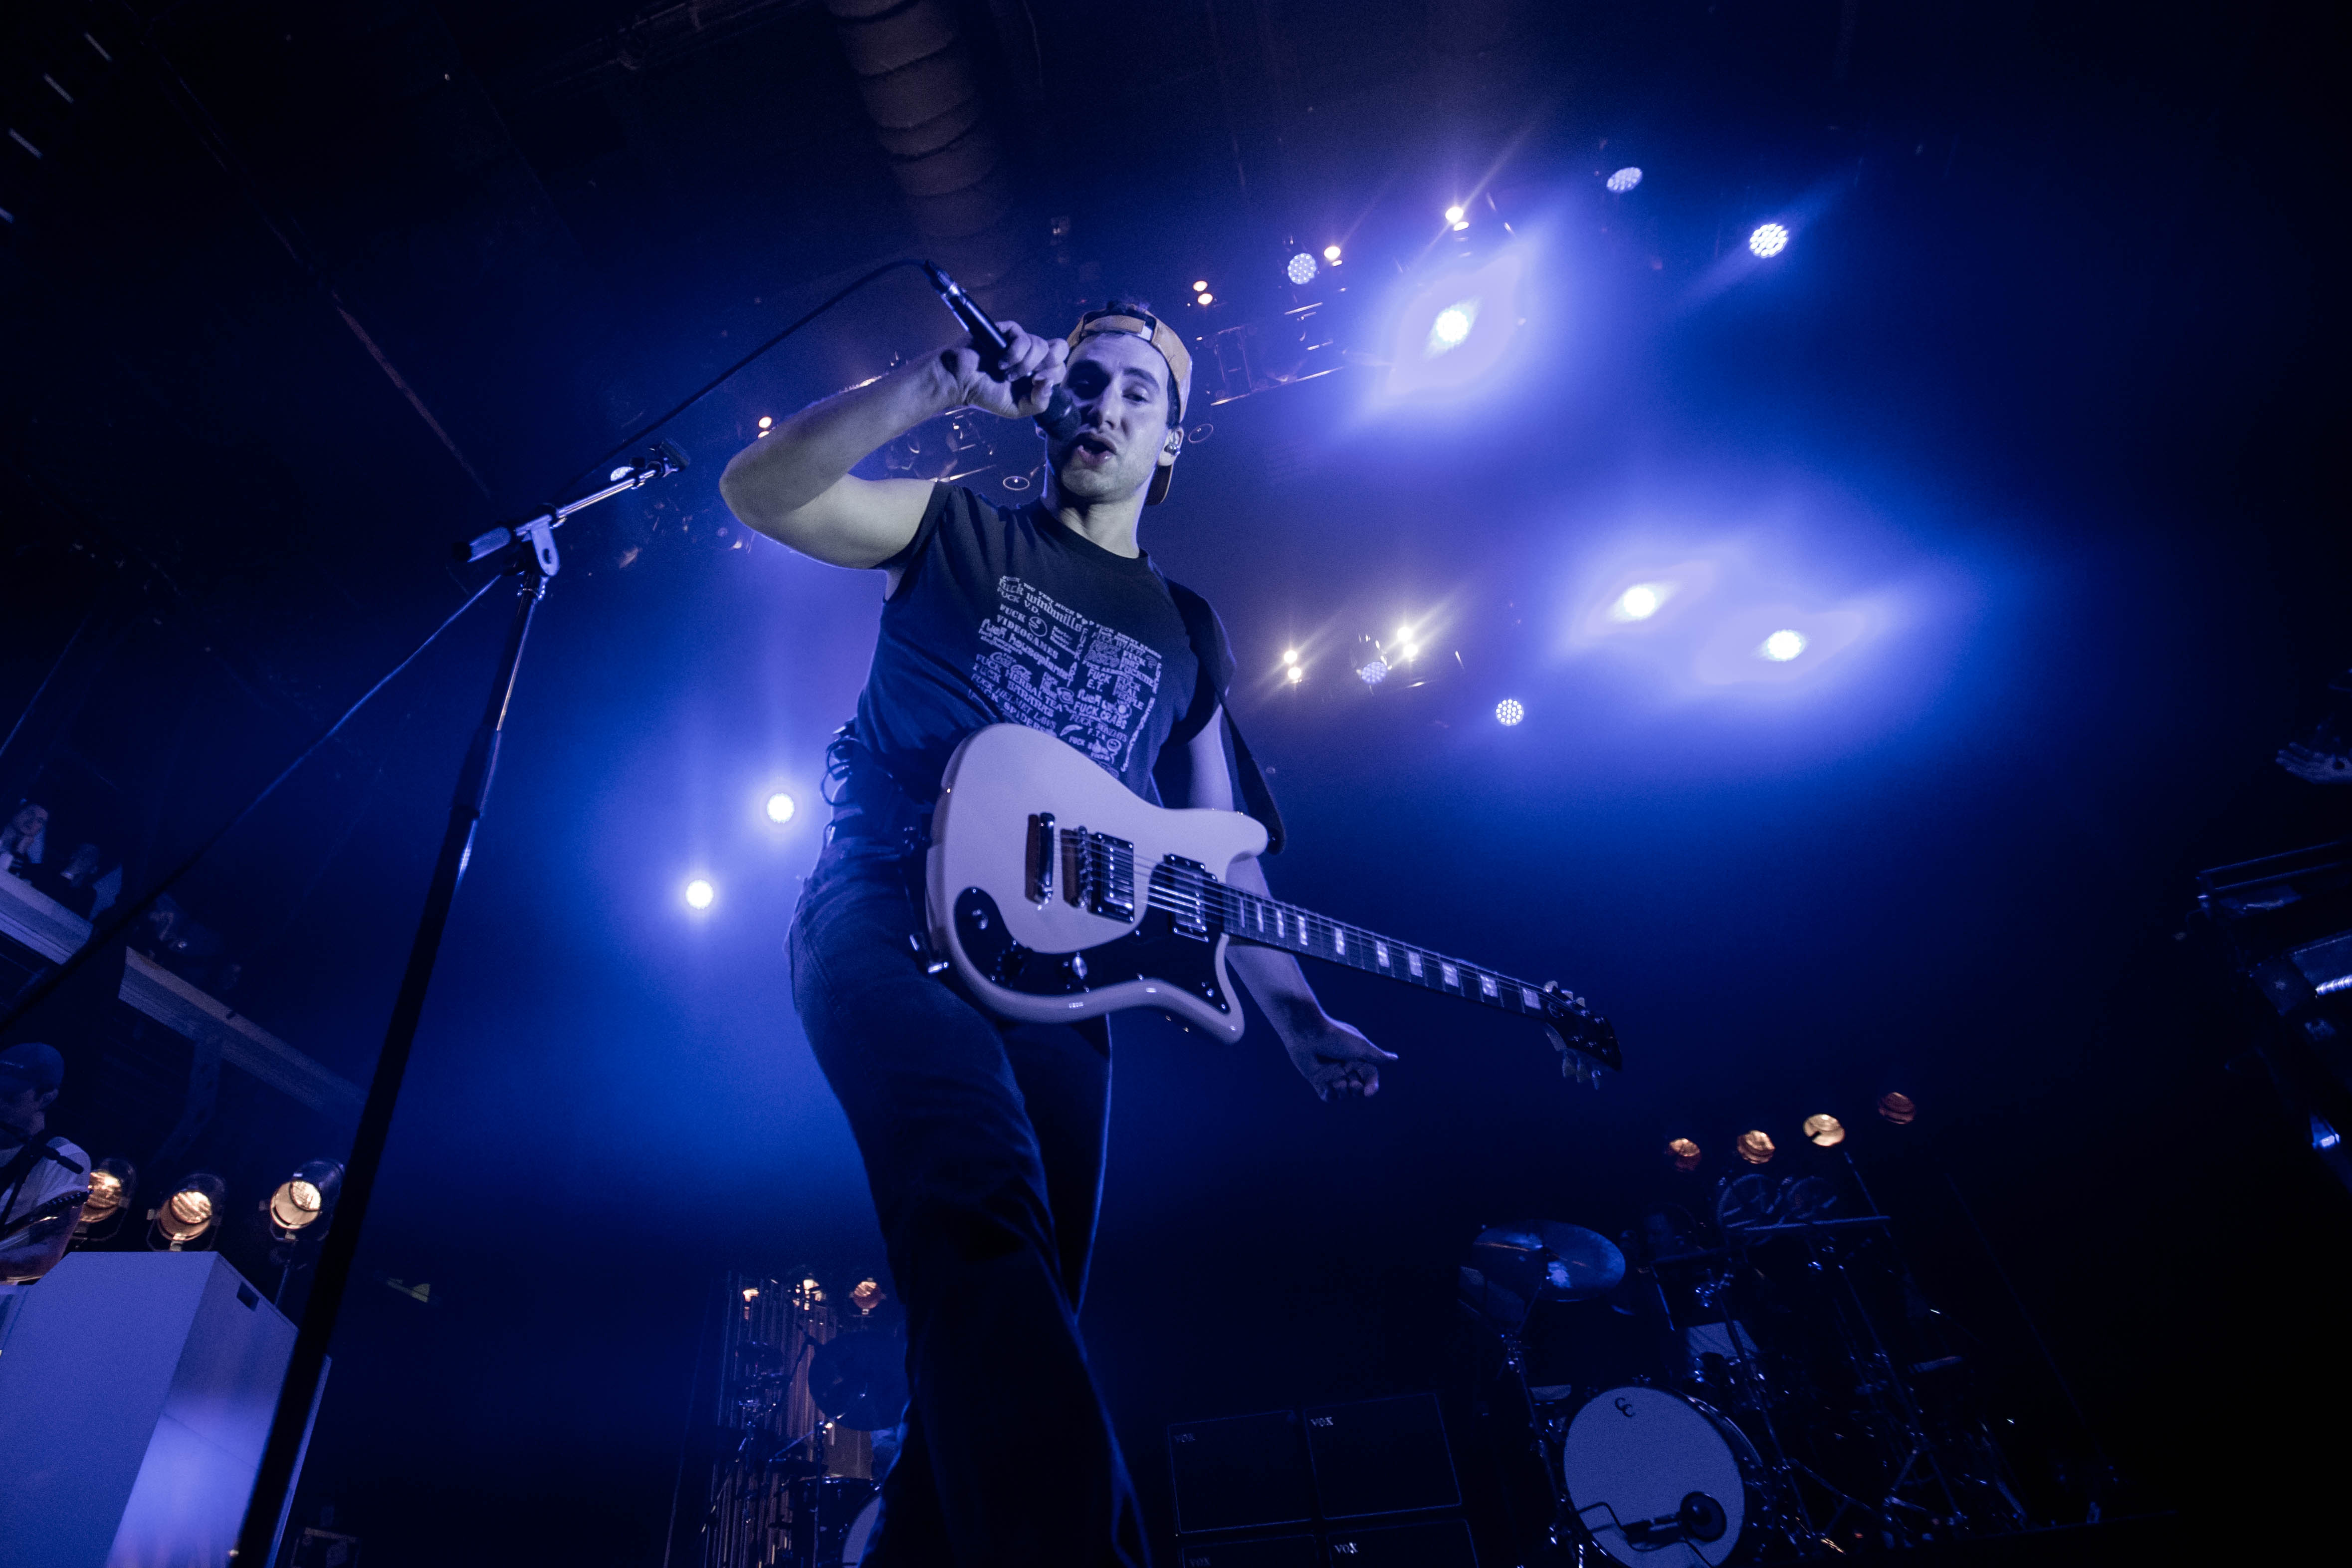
<point>1897,1108</point>
<point>1756,1148</point>
<point>1823,1131</point>
<point>1683,1153</point>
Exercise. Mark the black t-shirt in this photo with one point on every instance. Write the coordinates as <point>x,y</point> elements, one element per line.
<point>1008,616</point>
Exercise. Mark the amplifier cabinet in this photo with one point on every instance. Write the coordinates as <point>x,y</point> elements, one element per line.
<point>1437,1543</point>
<point>1381,1457</point>
<point>1242,1472</point>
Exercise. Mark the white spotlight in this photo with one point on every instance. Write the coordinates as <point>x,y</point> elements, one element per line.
<point>1411,651</point>
<point>1301,270</point>
<point>1782,645</point>
<point>1641,601</point>
<point>1452,328</point>
<point>1510,711</point>
<point>781,807</point>
<point>698,894</point>
<point>1331,254</point>
<point>1768,240</point>
<point>1204,297</point>
<point>1454,215</point>
<point>1296,673</point>
<point>1290,656</point>
<point>1624,180</point>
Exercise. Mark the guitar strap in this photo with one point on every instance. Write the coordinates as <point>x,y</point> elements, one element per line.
<point>1200,627</point>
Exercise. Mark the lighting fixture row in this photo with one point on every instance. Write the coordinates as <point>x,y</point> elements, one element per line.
<point>189,1216</point>
<point>1822,1130</point>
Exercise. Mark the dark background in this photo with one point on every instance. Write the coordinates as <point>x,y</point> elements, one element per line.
<point>2050,380</point>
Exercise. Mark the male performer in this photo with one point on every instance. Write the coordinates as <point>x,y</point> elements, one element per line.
<point>33,1170</point>
<point>983,1140</point>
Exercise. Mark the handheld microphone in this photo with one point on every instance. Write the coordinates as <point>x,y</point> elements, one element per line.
<point>1060,419</point>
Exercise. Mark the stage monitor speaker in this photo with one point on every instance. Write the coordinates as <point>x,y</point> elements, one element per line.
<point>1243,1472</point>
<point>1382,1455</point>
<point>1435,1543</point>
<point>1263,1552</point>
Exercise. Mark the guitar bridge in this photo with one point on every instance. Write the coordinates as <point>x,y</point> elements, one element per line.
<point>1102,873</point>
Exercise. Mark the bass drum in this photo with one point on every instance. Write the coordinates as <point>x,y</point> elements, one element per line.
<point>1645,1469</point>
<point>861,1533</point>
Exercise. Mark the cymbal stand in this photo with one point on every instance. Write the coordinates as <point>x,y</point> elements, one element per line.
<point>1901,1411</point>
<point>1784,1496</point>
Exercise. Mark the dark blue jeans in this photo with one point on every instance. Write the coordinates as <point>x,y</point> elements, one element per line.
<point>983,1148</point>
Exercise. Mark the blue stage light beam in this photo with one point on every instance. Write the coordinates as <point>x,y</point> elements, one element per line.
<point>1776,644</point>
<point>1302,269</point>
<point>1510,711</point>
<point>1768,240</point>
<point>1624,180</point>
<point>1456,327</point>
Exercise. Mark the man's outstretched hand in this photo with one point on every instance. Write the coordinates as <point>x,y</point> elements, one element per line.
<point>1335,1058</point>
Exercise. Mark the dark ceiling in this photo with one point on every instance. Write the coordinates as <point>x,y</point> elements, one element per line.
<point>293,296</point>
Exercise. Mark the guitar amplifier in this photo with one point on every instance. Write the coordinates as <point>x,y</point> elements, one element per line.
<point>1382,1455</point>
<point>1265,1552</point>
<point>1438,1544</point>
<point>1243,1472</point>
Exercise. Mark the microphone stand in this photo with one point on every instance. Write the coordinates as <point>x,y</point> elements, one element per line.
<point>526,549</point>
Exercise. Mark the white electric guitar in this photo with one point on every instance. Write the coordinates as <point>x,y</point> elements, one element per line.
<point>1056,894</point>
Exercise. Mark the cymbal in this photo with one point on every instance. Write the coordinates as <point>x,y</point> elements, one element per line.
<point>859,1379</point>
<point>1542,1260</point>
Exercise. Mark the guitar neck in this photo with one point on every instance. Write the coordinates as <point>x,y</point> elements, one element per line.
<point>1267,922</point>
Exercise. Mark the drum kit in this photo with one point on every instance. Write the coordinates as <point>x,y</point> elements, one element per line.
<point>810,1392</point>
<point>1766,1382</point>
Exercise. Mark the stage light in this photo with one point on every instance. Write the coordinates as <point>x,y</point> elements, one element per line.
<point>187,1217</point>
<point>698,894</point>
<point>302,1198</point>
<point>1684,1152</point>
<point>1776,643</point>
<point>1290,656</point>
<point>1411,651</point>
<point>2324,1134</point>
<point>1624,180</point>
<point>1204,297</point>
<point>1302,269</point>
<point>1641,601</point>
<point>1456,326</point>
<point>1823,1131</point>
<point>1897,1108</point>
<point>1510,711</point>
<point>781,807</point>
<point>1405,634</point>
<point>1295,674</point>
<point>1452,328</point>
<point>622,472</point>
<point>865,1295</point>
<point>1768,240</point>
<point>1200,284</point>
<point>111,1182</point>
<point>751,1292</point>
<point>1454,214</point>
<point>1373,673</point>
<point>1756,1148</point>
<point>1331,254</point>
<point>767,421</point>
<point>1782,645</point>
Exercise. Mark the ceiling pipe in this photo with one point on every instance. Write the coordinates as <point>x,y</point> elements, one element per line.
<point>923,95</point>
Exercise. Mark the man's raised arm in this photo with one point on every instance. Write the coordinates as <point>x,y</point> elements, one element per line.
<point>794,485</point>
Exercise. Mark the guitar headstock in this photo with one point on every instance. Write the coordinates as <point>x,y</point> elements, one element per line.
<point>1584,1039</point>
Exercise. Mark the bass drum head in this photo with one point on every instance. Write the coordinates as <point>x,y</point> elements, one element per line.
<point>1646,1471</point>
<point>861,1533</point>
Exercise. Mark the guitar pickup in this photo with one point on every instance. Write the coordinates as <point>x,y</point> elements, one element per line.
<point>1044,850</point>
<point>1178,887</point>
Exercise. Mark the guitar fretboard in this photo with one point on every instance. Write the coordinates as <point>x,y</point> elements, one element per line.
<point>1191,896</point>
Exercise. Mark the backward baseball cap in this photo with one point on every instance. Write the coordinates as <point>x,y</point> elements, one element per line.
<point>31,1066</point>
<point>1128,320</point>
